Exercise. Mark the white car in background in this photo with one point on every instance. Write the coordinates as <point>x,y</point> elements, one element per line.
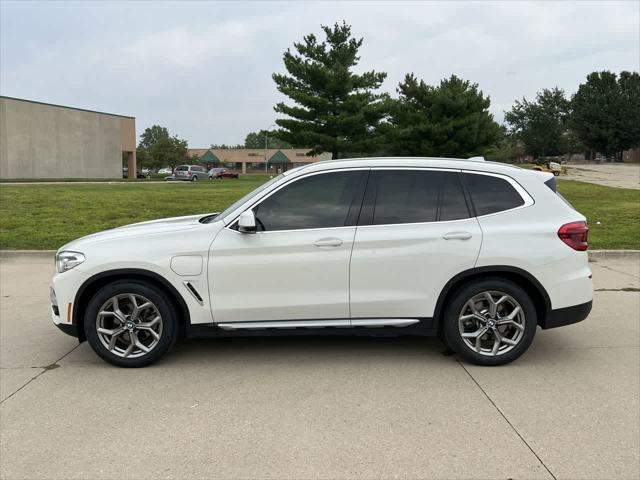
<point>165,171</point>
<point>479,253</point>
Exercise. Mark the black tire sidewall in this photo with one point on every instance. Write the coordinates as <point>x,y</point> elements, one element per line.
<point>157,297</point>
<point>462,295</point>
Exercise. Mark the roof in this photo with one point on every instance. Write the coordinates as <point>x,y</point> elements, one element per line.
<point>279,157</point>
<point>209,156</point>
<point>64,106</point>
<point>433,162</point>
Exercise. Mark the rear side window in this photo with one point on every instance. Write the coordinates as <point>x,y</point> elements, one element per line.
<point>414,196</point>
<point>491,194</point>
<point>182,168</point>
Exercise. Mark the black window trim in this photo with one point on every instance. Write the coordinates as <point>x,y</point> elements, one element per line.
<point>526,198</point>
<point>366,213</point>
<point>232,225</point>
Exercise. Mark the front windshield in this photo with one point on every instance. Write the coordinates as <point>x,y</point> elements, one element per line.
<point>248,197</point>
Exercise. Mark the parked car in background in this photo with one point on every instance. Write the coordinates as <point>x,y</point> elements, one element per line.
<point>389,246</point>
<point>165,171</point>
<point>191,173</point>
<point>221,173</point>
<point>139,174</point>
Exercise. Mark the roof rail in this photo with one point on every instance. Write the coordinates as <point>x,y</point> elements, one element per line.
<point>476,159</point>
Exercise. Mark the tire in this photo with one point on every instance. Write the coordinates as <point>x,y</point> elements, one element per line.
<point>466,317</point>
<point>556,174</point>
<point>116,347</point>
<point>194,178</point>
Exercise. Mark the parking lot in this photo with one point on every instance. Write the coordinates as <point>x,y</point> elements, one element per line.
<point>321,407</point>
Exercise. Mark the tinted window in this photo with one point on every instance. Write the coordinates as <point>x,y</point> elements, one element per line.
<point>453,206</point>
<point>318,201</point>
<point>182,168</point>
<point>491,194</point>
<point>413,196</point>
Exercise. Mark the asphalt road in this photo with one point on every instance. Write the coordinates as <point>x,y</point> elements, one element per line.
<point>321,407</point>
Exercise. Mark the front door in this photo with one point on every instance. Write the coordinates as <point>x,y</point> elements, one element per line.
<point>296,266</point>
<point>415,234</point>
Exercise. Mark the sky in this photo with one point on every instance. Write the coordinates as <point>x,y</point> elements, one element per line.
<point>203,69</point>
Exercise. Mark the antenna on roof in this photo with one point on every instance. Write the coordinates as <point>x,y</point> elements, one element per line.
<point>476,159</point>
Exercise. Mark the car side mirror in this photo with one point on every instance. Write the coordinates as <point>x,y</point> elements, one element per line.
<point>247,222</point>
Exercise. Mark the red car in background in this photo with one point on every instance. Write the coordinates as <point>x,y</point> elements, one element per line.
<point>221,173</point>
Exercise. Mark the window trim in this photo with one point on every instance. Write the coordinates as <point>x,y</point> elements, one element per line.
<point>528,199</point>
<point>243,208</point>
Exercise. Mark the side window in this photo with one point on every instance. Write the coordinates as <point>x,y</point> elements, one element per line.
<point>414,196</point>
<point>318,201</point>
<point>453,205</point>
<point>491,194</point>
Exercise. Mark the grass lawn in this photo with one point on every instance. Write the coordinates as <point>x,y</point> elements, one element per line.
<point>46,216</point>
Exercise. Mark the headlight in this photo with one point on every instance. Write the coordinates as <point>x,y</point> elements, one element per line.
<point>67,260</point>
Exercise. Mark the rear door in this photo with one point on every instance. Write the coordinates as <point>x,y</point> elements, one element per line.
<point>415,233</point>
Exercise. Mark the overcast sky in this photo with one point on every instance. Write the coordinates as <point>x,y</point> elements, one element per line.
<point>203,69</point>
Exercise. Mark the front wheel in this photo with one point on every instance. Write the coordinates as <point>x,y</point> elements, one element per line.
<point>490,322</point>
<point>130,323</point>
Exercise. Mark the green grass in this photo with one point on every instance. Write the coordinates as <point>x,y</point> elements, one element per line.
<point>46,216</point>
<point>613,213</point>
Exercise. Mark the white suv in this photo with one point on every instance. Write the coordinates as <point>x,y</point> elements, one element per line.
<point>478,253</point>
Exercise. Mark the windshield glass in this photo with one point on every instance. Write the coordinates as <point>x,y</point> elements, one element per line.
<point>248,197</point>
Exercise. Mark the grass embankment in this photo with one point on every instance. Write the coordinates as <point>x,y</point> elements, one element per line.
<point>45,216</point>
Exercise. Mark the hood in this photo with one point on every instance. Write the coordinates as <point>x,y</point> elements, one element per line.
<point>141,229</point>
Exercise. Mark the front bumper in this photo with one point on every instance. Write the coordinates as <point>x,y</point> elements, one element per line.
<point>566,316</point>
<point>69,329</point>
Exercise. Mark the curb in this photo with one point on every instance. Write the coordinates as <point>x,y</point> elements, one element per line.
<point>27,254</point>
<point>618,254</point>
<point>49,254</point>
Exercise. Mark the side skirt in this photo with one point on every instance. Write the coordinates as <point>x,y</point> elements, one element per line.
<point>375,327</point>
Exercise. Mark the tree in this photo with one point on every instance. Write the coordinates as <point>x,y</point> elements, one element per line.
<point>159,149</point>
<point>224,146</point>
<point>334,110</point>
<point>606,112</point>
<point>152,135</point>
<point>541,125</point>
<point>257,140</point>
<point>450,120</point>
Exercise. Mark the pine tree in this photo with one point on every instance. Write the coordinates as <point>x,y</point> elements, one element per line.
<point>334,110</point>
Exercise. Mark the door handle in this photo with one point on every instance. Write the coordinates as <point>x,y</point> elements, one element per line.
<point>457,236</point>
<point>328,242</point>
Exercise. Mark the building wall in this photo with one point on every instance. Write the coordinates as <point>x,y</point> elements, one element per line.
<point>49,141</point>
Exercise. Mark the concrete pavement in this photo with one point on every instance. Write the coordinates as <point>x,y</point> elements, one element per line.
<point>321,407</point>
<point>625,175</point>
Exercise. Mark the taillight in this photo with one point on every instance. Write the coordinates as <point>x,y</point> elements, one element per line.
<point>189,173</point>
<point>575,235</point>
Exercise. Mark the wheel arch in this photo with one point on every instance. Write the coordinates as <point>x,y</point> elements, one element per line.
<point>97,281</point>
<point>524,279</point>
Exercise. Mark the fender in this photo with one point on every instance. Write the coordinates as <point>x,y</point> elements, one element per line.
<point>540,297</point>
<point>102,277</point>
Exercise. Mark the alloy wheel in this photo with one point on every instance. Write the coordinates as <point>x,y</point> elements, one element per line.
<point>491,323</point>
<point>129,325</point>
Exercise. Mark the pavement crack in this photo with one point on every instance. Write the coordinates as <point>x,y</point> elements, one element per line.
<point>507,420</point>
<point>51,366</point>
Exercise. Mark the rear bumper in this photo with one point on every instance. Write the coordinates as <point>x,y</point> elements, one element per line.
<point>566,316</point>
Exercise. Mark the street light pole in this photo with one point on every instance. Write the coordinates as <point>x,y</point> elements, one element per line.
<point>266,144</point>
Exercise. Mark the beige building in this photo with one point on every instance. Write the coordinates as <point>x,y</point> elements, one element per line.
<point>250,160</point>
<point>41,140</point>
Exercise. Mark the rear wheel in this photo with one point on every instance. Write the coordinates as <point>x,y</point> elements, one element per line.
<point>490,322</point>
<point>130,324</point>
<point>194,178</point>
